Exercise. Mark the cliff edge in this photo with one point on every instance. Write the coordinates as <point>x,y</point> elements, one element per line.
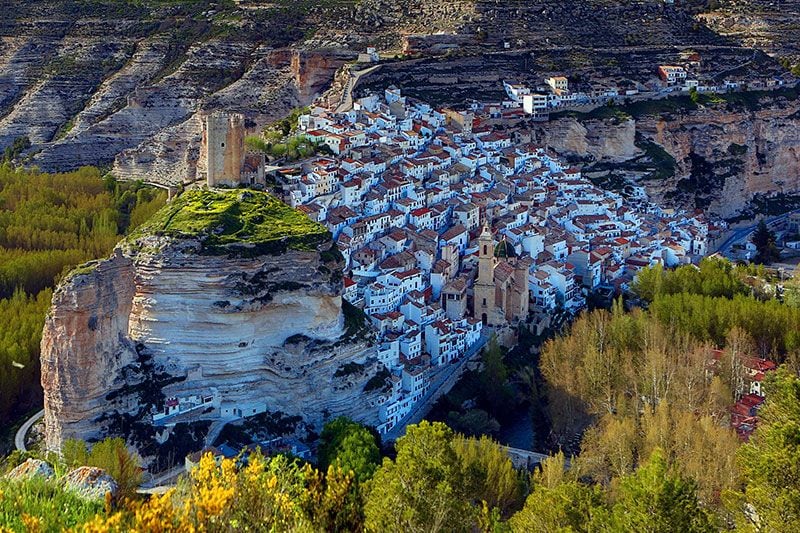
<point>224,305</point>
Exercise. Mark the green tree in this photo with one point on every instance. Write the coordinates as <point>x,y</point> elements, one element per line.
<point>694,95</point>
<point>791,289</point>
<point>350,446</point>
<point>113,456</point>
<point>18,145</point>
<point>770,461</point>
<point>473,422</point>
<point>423,490</point>
<point>558,503</point>
<point>494,378</point>
<point>489,473</point>
<point>764,241</point>
<point>74,453</point>
<point>656,500</point>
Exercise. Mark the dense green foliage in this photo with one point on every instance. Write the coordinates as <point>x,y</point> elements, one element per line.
<point>714,277</point>
<point>21,322</point>
<point>437,482</point>
<point>707,303</point>
<point>250,219</point>
<point>770,462</point>
<point>48,224</point>
<point>640,383</point>
<point>635,382</point>
<point>791,291</point>
<point>19,145</point>
<point>349,446</point>
<point>764,240</point>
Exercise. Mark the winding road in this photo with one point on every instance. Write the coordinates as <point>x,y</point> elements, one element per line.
<point>19,438</point>
<point>741,233</point>
<point>346,102</point>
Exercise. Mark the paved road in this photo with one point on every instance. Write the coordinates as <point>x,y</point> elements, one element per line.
<point>441,379</point>
<point>346,102</point>
<point>740,234</point>
<point>19,438</point>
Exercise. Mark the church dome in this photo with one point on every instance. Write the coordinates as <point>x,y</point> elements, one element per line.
<point>504,250</point>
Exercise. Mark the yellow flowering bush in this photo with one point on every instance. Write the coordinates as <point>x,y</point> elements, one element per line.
<point>275,494</point>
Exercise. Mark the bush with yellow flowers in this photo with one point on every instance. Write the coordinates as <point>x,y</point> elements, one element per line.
<point>265,494</point>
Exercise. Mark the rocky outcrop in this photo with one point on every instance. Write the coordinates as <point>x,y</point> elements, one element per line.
<point>718,157</point>
<point>607,140</point>
<point>771,26</point>
<point>250,323</point>
<point>31,468</point>
<point>725,158</point>
<point>90,483</point>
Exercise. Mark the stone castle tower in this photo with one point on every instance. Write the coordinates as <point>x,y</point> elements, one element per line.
<point>222,149</point>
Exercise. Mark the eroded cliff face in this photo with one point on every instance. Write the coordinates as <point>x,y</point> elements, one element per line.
<point>721,156</point>
<point>724,159</point>
<point>84,348</point>
<point>611,140</point>
<point>166,317</point>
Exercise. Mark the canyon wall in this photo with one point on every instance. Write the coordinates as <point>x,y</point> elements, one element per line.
<point>723,155</point>
<point>610,140</point>
<point>167,316</point>
<point>725,158</point>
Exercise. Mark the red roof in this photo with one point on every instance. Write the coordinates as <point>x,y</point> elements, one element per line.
<point>407,273</point>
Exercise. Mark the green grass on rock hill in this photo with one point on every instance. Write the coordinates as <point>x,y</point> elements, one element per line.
<point>248,222</point>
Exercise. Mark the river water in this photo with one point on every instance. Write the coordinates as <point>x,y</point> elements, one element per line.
<point>519,432</point>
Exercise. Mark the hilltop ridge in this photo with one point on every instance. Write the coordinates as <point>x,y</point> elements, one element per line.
<point>105,82</point>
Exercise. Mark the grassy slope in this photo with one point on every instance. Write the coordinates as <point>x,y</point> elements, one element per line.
<point>224,218</point>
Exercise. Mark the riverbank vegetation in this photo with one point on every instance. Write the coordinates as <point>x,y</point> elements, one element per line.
<point>48,224</point>
<point>439,480</point>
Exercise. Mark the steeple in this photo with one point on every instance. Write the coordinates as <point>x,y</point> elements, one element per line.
<point>486,242</point>
<point>486,259</point>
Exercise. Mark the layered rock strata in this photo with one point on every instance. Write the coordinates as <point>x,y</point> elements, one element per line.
<point>720,156</point>
<point>205,303</point>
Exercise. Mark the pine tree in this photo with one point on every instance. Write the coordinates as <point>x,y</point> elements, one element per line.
<point>764,241</point>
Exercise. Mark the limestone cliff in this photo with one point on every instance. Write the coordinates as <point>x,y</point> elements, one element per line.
<point>232,296</point>
<point>724,159</point>
<point>718,156</point>
<point>612,140</point>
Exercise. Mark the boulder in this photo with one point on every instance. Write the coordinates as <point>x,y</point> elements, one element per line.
<point>31,468</point>
<point>91,483</point>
